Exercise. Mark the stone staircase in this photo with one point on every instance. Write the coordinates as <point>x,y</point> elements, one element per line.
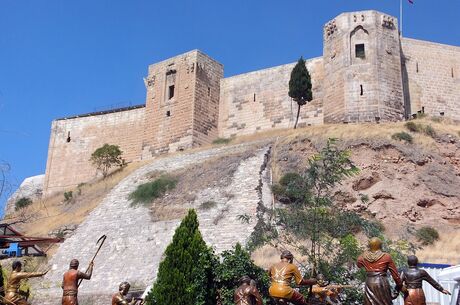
<point>135,244</point>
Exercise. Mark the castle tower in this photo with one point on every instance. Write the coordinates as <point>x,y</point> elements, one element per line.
<point>182,104</point>
<point>362,62</point>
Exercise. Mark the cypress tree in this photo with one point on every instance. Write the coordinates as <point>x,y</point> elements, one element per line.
<point>300,86</point>
<point>185,276</point>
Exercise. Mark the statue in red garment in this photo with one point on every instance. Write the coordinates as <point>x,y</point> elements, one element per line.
<point>377,263</point>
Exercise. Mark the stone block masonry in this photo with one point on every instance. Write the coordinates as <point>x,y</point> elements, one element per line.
<point>367,74</point>
<point>259,101</point>
<point>73,140</point>
<point>363,69</point>
<point>182,103</point>
<point>433,78</point>
<point>135,244</point>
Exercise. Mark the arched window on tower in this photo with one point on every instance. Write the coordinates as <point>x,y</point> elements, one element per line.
<point>359,37</point>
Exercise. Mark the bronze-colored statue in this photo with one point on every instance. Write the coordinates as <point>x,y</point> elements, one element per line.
<point>13,294</point>
<point>2,284</point>
<point>324,293</point>
<point>377,263</point>
<point>70,282</point>
<point>412,279</point>
<point>281,275</point>
<point>247,293</point>
<point>119,298</point>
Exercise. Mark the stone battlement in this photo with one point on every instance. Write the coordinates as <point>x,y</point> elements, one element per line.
<point>367,73</point>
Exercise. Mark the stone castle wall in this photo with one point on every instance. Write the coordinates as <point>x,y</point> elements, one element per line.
<point>259,101</point>
<point>73,140</point>
<point>182,103</point>
<point>433,77</point>
<point>135,243</point>
<point>207,94</point>
<point>363,68</point>
<point>189,103</point>
<point>168,123</point>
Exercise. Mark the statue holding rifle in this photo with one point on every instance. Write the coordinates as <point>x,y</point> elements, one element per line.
<point>120,298</point>
<point>324,293</point>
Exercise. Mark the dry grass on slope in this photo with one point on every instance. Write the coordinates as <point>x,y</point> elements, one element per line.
<point>355,131</point>
<point>444,251</point>
<point>53,213</point>
<point>212,176</point>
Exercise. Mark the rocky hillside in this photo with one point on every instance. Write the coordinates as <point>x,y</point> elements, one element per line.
<point>403,185</point>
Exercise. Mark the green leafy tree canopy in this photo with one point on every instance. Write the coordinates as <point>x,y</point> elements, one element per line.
<point>106,157</point>
<point>236,263</point>
<point>300,86</point>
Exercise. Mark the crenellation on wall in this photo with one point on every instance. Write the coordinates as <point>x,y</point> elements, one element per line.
<point>367,73</point>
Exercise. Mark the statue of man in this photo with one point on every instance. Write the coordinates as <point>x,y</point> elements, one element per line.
<point>70,282</point>
<point>247,293</point>
<point>2,284</point>
<point>13,294</point>
<point>119,298</point>
<point>377,263</point>
<point>412,278</point>
<point>281,275</point>
<point>323,293</point>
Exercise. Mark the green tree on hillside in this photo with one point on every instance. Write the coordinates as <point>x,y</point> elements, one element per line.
<point>312,224</point>
<point>300,86</point>
<point>107,156</point>
<point>185,276</point>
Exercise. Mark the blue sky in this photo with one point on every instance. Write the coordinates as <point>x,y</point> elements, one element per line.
<point>60,58</point>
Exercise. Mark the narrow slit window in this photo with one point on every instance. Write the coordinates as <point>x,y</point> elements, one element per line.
<point>452,72</point>
<point>362,91</point>
<point>416,67</point>
<point>68,137</point>
<point>168,113</point>
<point>254,97</point>
<point>171,92</point>
<point>360,51</point>
<point>209,91</point>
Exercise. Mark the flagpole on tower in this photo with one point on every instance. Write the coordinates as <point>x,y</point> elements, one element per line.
<point>400,17</point>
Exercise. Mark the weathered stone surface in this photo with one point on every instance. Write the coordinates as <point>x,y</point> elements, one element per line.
<point>366,182</point>
<point>383,195</point>
<point>73,140</point>
<point>31,187</point>
<point>426,203</point>
<point>441,180</point>
<point>390,79</point>
<point>258,101</point>
<point>362,63</point>
<point>135,243</point>
<point>344,198</point>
